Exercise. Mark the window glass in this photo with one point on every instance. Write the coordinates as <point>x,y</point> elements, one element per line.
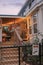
<point>30,29</point>
<point>32,0</point>
<point>29,22</point>
<point>35,28</point>
<point>35,18</point>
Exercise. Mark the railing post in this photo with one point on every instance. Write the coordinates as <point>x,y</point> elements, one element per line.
<point>19,54</point>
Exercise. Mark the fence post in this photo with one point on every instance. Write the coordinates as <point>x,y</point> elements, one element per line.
<point>39,54</point>
<point>19,54</point>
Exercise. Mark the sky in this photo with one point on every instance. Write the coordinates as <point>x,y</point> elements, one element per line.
<point>11,7</point>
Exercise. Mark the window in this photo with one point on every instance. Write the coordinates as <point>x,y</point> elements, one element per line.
<point>29,21</point>
<point>30,29</point>
<point>32,0</point>
<point>30,3</point>
<point>35,28</point>
<point>35,17</point>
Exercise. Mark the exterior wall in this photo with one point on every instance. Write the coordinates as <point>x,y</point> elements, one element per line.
<point>39,22</point>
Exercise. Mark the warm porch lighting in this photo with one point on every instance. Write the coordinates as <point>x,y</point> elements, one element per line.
<point>7,24</point>
<point>19,20</point>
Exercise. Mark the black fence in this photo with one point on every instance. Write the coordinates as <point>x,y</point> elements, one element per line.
<point>25,52</point>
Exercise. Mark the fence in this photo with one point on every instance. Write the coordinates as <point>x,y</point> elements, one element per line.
<point>25,52</point>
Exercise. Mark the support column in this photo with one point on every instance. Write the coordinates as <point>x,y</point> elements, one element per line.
<point>0,30</point>
<point>28,27</point>
<point>40,22</point>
